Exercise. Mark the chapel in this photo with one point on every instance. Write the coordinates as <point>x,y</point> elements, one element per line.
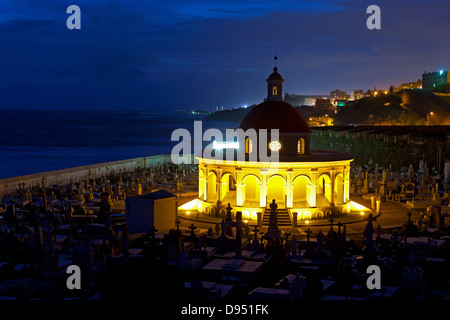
<point>308,183</point>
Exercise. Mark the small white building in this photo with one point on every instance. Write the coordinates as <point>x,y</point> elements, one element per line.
<point>157,209</point>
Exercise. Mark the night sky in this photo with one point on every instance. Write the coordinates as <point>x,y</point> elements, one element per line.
<point>163,55</point>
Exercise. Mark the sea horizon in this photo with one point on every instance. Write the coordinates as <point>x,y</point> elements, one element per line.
<point>46,140</point>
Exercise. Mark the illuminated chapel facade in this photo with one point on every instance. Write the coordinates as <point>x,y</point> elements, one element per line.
<point>307,183</point>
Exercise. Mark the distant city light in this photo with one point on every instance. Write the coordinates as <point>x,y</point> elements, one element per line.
<point>245,106</point>
<point>441,72</point>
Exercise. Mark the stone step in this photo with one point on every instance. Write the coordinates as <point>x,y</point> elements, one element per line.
<point>283,218</point>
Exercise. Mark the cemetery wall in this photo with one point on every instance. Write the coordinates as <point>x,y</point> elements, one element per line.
<point>76,174</point>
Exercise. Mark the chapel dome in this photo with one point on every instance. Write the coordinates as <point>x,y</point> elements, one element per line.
<point>275,115</point>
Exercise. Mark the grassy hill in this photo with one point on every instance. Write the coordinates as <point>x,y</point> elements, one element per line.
<point>409,107</point>
<point>383,110</point>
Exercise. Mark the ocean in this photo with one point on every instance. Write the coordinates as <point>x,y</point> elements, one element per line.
<point>33,141</point>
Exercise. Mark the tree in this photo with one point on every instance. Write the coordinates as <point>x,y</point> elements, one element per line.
<point>391,89</point>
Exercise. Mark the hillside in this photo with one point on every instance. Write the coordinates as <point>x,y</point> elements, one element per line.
<point>424,102</point>
<point>234,115</point>
<point>409,107</point>
<point>382,110</point>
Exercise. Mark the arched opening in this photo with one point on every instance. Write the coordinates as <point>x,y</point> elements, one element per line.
<point>301,192</point>
<point>228,188</point>
<point>276,189</point>
<point>339,189</point>
<point>211,187</point>
<point>323,190</point>
<point>301,146</point>
<point>274,91</point>
<point>251,191</point>
<point>306,215</point>
<point>248,146</point>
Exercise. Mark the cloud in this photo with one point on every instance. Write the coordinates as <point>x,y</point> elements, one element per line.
<point>149,54</point>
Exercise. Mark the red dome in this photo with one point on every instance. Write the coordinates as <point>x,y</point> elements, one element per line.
<point>275,115</point>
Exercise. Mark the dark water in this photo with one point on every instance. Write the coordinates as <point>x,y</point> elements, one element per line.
<point>43,140</point>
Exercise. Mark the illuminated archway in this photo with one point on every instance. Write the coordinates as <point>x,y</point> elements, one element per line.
<point>251,190</point>
<point>306,215</point>
<point>276,189</point>
<point>228,188</point>
<point>211,187</point>
<point>324,188</point>
<point>301,191</point>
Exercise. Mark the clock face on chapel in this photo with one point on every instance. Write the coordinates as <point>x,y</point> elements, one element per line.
<point>275,146</point>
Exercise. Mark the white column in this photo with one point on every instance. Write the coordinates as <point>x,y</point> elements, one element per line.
<point>239,195</point>
<point>201,185</point>
<point>289,189</point>
<point>333,181</point>
<point>263,196</point>
<point>346,185</point>
<point>205,194</point>
<point>313,191</point>
<point>218,185</point>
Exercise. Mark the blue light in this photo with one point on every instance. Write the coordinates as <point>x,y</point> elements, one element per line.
<point>441,72</point>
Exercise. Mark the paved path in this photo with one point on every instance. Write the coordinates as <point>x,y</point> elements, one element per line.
<point>392,214</point>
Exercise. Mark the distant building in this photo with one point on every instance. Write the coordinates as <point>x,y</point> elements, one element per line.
<point>340,102</point>
<point>302,100</point>
<point>324,106</point>
<point>357,94</point>
<point>320,121</point>
<point>435,79</point>
<point>338,94</point>
<point>410,85</point>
